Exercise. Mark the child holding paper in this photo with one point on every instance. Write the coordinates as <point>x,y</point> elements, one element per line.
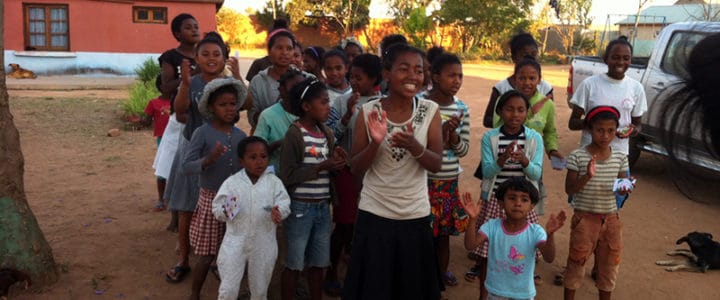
<point>592,172</point>
<point>252,202</point>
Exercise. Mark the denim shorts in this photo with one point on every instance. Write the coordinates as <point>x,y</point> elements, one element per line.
<point>307,233</point>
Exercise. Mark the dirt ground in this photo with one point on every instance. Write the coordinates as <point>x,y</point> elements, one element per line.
<point>93,195</point>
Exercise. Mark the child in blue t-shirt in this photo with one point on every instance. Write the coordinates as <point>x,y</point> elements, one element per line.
<point>512,241</point>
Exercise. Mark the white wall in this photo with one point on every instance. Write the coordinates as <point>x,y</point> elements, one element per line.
<point>53,63</point>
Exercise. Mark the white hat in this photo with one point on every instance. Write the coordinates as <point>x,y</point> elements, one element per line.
<point>214,85</point>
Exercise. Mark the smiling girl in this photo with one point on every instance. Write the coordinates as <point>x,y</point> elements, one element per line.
<point>397,140</point>
<point>614,89</point>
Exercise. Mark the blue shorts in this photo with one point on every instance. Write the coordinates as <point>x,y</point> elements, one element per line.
<point>307,233</point>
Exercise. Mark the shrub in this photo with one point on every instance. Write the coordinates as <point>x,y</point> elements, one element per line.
<point>148,71</point>
<point>139,95</point>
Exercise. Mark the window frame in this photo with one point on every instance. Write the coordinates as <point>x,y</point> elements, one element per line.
<point>151,17</point>
<point>674,65</point>
<point>48,26</point>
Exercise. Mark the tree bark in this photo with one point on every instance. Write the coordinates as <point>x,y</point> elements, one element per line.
<point>22,243</point>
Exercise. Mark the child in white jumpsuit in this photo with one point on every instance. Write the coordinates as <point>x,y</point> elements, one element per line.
<point>252,202</point>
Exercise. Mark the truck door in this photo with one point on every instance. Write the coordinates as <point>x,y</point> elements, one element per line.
<point>667,67</point>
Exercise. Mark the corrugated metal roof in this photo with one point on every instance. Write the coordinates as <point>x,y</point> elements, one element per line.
<point>668,14</point>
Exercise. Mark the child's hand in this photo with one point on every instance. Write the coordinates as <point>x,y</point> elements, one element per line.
<point>234,67</point>
<point>352,102</point>
<point>216,152</point>
<point>405,139</point>
<point>453,123</point>
<point>555,222</point>
<point>275,214</point>
<point>517,154</point>
<point>185,72</point>
<point>331,164</point>
<point>591,168</point>
<point>377,126</point>
<point>625,132</point>
<point>471,207</point>
<point>340,153</point>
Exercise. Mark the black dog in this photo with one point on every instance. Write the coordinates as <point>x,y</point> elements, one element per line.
<point>704,254</point>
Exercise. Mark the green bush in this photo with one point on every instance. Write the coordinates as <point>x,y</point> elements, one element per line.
<point>140,94</point>
<point>148,71</point>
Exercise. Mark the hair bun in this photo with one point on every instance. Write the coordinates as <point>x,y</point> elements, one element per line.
<point>279,23</point>
<point>623,38</point>
<point>529,57</point>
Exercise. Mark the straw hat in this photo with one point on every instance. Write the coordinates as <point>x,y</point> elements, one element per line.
<point>213,86</point>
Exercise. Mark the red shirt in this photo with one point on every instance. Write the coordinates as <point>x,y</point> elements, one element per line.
<point>159,110</point>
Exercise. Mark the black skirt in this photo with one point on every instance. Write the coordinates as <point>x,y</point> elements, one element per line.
<point>392,259</point>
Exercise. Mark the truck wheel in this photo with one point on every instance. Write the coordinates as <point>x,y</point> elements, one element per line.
<point>634,150</point>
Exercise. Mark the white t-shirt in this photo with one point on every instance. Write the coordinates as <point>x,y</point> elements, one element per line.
<point>627,95</point>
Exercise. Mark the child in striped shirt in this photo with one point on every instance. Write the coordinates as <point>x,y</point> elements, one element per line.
<point>595,224</point>
<point>308,155</point>
<point>448,216</point>
<point>511,150</point>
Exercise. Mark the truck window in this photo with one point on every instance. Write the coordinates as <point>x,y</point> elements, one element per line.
<point>678,50</point>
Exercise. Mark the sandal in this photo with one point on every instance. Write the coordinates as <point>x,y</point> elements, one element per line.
<point>332,288</point>
<point>449,279</point>
<point>559,280</point>
<point>473,274</point>
<point>214,271</point>
<point>177,275</point>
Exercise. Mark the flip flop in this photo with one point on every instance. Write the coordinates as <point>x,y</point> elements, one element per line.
<point>473,274</point>
<point>449,279</point>
<point>332,288</point>
<point>179,273</point>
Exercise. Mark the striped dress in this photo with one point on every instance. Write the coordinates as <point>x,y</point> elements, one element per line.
<point>448,217</point>
<point>316,151</point>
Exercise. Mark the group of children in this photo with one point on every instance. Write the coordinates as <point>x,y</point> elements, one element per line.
<point>373,145</point>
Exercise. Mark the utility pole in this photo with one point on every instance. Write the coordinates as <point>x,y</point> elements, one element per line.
<point>641,4</point>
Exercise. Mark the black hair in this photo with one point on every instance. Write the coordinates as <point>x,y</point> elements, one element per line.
<point>622,40</point>
<point>390,40</point>
<point>442,60</point>
<point>337,53</point>
<point>433,53</point>
<point>315,51</point>
<point>303,92</point>
<point>225,89</point>
<point>520,41</point>
<point>244,143</point>
<point>608,113</point>
<point>692,105</point>
<point>279,23</point>
<point>213,38</point>
<point>289,74</point>
<point>395,51</point>
<point>370,64</point>
<point>509,95</point>
<point>282,33</point>
<point>528,61</point>
<point>518,184</point>
<point>176,23</point>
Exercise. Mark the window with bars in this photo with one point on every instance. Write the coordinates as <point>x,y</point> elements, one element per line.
<point>46,27</point>
<point>150,14</point>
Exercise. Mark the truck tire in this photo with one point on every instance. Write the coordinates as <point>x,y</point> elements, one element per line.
<point>634,150</point>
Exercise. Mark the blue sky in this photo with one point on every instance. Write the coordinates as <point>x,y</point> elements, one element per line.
<point>378,8</point>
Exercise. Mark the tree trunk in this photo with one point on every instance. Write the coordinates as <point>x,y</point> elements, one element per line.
<point>22,244</point>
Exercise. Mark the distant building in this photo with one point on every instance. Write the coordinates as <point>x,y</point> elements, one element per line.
<point>77,36</point>
<point>654,18</point>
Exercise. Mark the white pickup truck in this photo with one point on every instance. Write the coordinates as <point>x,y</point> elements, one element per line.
<point>656,73</point>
